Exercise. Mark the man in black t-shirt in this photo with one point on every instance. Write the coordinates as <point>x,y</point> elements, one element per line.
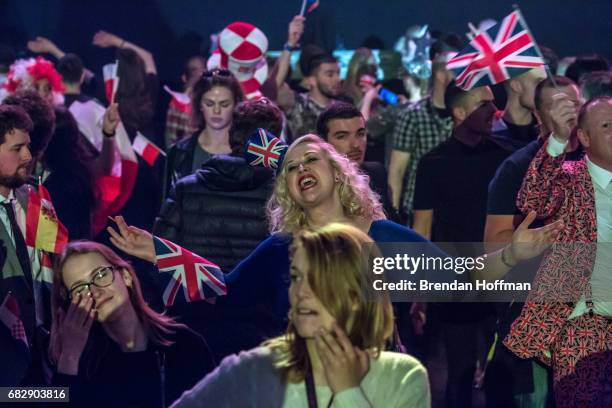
<point>450,206</point>
<point>509,377</point>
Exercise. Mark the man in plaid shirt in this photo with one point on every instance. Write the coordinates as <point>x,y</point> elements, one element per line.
<point>420,128</point>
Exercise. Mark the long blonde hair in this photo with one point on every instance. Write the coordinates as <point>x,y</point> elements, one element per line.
<point>356,196</point>
<point>157,326</point>
<point>337,273</point>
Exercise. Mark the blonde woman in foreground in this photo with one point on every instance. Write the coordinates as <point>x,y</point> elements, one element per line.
<point>332,352</point>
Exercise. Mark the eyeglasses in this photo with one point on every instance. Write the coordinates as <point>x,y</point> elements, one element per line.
<point>104,277</point>
<point>217,72</point>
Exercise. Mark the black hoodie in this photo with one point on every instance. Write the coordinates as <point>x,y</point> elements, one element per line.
<point>218,212</point>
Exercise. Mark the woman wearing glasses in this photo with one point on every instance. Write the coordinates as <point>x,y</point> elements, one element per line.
<point>110,347</point>
<point>214,97</point>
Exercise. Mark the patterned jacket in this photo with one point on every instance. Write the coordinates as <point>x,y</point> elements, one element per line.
<point>558,189</point>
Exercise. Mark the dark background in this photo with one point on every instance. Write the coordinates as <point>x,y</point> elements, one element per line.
<point>174,29</point>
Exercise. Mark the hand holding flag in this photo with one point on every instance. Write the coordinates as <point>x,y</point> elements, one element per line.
<point>179,268</point>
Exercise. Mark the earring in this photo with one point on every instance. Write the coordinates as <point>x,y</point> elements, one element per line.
<point>336,179</point>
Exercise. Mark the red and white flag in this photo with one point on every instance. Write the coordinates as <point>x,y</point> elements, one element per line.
<point>111,80</point>
<point>179,101</point>
<point>10,317</point>
<point>114,188</point>
<point>146,149</point>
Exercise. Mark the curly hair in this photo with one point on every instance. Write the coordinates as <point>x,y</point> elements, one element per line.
<point>356,196</point>
<point>43,117</point>
<point>209,80</point>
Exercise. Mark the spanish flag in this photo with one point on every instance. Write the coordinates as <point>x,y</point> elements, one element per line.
<point>43,229</point>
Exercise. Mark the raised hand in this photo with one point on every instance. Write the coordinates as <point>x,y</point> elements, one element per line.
<point>131,240</point>
<point>74,332</point>
<point>345,365</point>
<point>296,29</point>
<point>111,119</point>
<point>528,243</point>
<point>42,45</point>
<point>105,40</point>
<point>564,115</point>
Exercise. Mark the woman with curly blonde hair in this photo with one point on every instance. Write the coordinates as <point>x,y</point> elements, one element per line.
<point>315,186</point>
<point>355,196</point>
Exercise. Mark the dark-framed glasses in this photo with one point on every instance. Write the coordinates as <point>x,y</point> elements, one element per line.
<point>103,277</point>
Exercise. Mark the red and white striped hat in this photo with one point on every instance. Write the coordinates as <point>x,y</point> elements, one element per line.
<point>242,50</point>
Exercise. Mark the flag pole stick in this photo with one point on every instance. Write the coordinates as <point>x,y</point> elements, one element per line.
<point>115,82</point>
<point>537,47</point>
<point>303,9</point>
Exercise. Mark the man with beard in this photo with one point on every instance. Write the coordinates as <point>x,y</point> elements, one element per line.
<point>22,280</point>
<point>450,206</point>
<point>343,126</point>
<point>302,110</point>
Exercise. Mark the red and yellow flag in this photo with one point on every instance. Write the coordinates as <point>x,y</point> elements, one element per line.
<point>43,229</point>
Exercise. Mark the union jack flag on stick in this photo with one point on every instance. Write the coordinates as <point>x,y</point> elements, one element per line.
<point>186,275</point>
<point>499,53</point>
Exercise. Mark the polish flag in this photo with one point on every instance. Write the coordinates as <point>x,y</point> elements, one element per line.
<point>179,101</point>
<point>146,149</point>
<point>116,187</point>
<point>111,80</point>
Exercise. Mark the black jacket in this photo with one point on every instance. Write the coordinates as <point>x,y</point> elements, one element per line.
<point>218,212</point>
<point>109,377</point>
<point>179,161</point>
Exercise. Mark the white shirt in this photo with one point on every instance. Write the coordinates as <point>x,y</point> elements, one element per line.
<point>601,278</point>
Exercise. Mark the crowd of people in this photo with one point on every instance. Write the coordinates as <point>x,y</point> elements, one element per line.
<point>272,185</point>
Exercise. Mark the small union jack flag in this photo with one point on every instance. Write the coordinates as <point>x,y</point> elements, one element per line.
<point>198,278</point>
<point>501,52</point>
<point>264,149</point>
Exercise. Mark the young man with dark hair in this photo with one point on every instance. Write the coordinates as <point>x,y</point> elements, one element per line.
<point>70,67</point>
<point>42,115</point>
<point>24,283</point>
<point>302,110</point>
<point>450,206</point>
<point>343,126</point>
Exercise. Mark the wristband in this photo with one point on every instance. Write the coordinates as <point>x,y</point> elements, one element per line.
<point>503,257</point>
<point>108,135</point>
<point>289,48</point>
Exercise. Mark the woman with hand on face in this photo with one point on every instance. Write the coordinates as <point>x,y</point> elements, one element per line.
<point>316,186</point>
<point>213,100</point>
<point>111,348</point>
<point>332,352</point>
